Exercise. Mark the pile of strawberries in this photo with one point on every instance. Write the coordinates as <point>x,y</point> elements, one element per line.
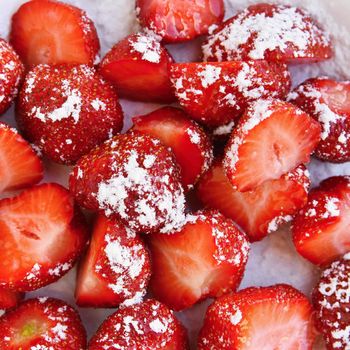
<point>177,199</point>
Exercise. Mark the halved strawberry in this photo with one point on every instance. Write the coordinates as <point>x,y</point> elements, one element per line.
<point>9,298</point>
<point>260,211</point>
<point>191,146</point>
<point>115,269</point>
<point>205,258</point>
<point>42,324</point>
<point>277,317</point>
<point>179,20</point>
<point>218,93</point>
<point>269,31</point>
<point>272,138</point>
<point>138,66</point>
<point>321,229</point>
<point>148,326</point>
<point>19,164</point>
<point>52,32</point>
<point>41,236</point>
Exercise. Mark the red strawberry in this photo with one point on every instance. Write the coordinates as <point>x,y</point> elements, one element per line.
<point>272,138</point>
<point>48,31</point>
<point>138,66</point>
<point>147,326</point>
<point>328,102</point>
<point>67,110</point>
<point>324,222</point>
<point>134,178</point>
<point>41,236</point>
<point>11,72</point>
<point>277,317</point>
<point>218,93</point>
<point>191,146</point>
<point>9,298</point>
<point>179,20</point>
<point>19,164</point>
<point>42,324</point>
<point>205,258</point>
<point>115,269</point>
<point>262,210</point>
<point>331,299</point>
<point>270,32</point>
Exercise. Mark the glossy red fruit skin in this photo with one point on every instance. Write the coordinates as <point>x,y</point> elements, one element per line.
<point>9,298</point>
<point>158,329</point>
<point>179,20</point>
<point>67,110</point>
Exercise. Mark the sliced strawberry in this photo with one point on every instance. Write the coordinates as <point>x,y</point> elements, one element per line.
<point>205,258</point>
<point>9,298</point>
<point>179,20</point>
<point>138,66</point>
<point>41,236</point>
<point>328,102</point>
<point>191,146</point>
<point>42,324</point>
<point>48,31</point>
<point>270,32</point>
<point>277,317</point>
<point>148,326</point>
<point>272,138</point>
<point>260,211</point>
<point>324,222</point>
<point>218,93</point>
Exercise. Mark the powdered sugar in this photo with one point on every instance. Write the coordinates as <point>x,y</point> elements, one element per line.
<point>148,46</point>
<point>209,75</point>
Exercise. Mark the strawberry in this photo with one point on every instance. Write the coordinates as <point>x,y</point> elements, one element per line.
<point>331,299</point>
<point>271,32</point>
<point>328,102</point>
<point>191,146</point>
<point>260,211</point>
<point>277,317</point>
<point>19,164</point>
<point>67,110</point>
<point>272,138</point>
<point>41,236</point>
<point>138,67</point>
<point>216,94</point>
<point>52,32</point>
<point>133,178</point>
<point>11,74</point>
<point>179,20</point>
<point>115,269</point>
<point>323,222</point>
<point>146,326</point>
<point>9,298</point>
<point>40,324</point>
<point>205,258</point>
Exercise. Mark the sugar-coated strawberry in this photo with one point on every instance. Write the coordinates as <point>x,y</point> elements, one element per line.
<point>277,317</point>
<point>41,236</point>
<point>191,146</point>
<point>20,166</point>
<point>331,298</point>
<point>67,110</point>
<point>11,73</point>
<point>260,211</point>
<point>134,178</point>
<point>272,138</point>
<point>269,31</point>
<point>138,66</point>
<point>116,267</point>
<point>146,326</point>
<point>205,258</point>
<point>42,324</point>
<point>321,229</point>
<point>327,101</point>
<point>179,20</point>
<point>52,32</point>
<point>9,298</point>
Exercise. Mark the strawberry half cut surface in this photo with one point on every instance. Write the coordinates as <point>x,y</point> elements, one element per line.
<point>272,138</point>
<point>41,236</point>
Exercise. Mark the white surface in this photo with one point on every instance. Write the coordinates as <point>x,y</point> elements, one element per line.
<point>273,260</point>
